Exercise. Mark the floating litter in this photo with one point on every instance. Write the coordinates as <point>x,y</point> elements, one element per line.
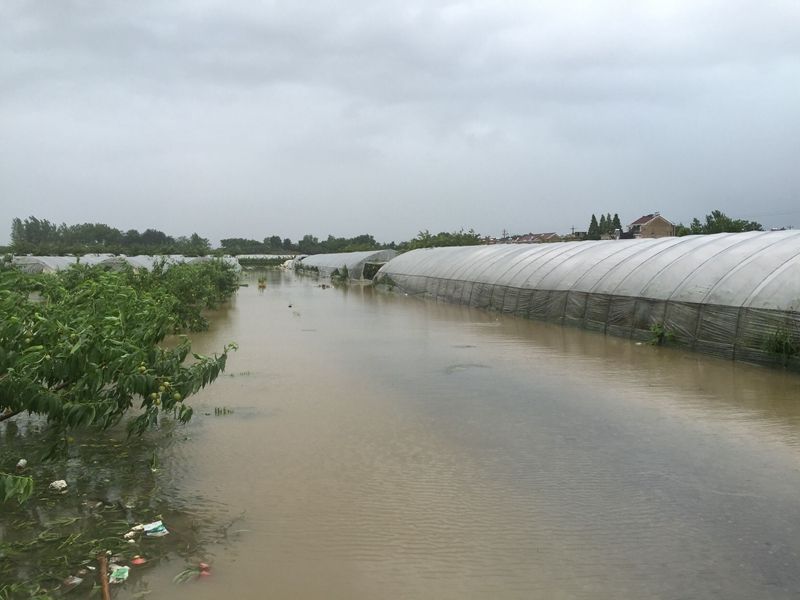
<point>59,486</point>
<point>155,529</point>
<point>118,574</point>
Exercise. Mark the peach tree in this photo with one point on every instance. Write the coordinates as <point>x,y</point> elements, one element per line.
<point>82,348</point>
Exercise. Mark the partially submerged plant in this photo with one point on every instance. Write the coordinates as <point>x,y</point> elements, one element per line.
<point>15,486</point>
<point>261,263</point>
<point>660,335</point>
<point>341,275</point>
<point>383,279</point>
<point>782,344</point>
<point>301,267</point>
<point>89,349</point>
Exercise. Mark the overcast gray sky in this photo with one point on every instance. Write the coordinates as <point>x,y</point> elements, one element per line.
<point>247,119</point>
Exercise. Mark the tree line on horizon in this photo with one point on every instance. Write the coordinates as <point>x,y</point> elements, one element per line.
<point>40,236</point>
<point>310,244</point>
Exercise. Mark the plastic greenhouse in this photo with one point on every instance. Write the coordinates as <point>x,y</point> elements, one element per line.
<point>107,260</point>
<point>355,264</point>
<point>51,264</point>
<point>231,261</point>
<point>145,261</point>
<point>735,295</point>
<point>43,264</point>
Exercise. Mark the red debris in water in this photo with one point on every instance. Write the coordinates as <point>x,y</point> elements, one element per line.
<point>138,560</point>
<point>205,569</point>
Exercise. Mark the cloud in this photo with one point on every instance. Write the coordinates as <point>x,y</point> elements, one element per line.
<point>477,114</point>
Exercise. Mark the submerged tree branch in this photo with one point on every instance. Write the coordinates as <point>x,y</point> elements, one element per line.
<point>9,414</point>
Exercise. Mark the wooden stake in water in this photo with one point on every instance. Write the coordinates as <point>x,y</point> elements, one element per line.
<point>102,559</point>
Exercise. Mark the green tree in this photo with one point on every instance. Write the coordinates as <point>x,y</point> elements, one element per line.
<point>361,242</point>
<point>594,229</point>
<point>40,236</point>
<point>18,241</point>
<point>154,237</point>
<point>425,239</point>
<point>236,246</point>
<point>308,245</point>
<point>615,223</point>
<point>132,237</point>
<point>717,222</point>
<point>272,243</point>
<point>694,228</point>
<point>198,246</point>
<point>83,346</point>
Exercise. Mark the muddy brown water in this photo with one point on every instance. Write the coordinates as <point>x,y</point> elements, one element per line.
<point>384,447</point>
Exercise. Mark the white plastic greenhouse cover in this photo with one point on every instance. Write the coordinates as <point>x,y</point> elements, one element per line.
<point>145,261</point>
<point>42,264</point>
<point>354,261</point>
<point>724,294</point>
<point>50,264</point>
<point>228,260</point>
<point>109,260</point>
<point>268,256</point>
<point>290,263</point>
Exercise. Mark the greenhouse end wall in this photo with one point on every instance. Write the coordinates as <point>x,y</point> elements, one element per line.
<point>352,263</point>
<point>731,295</point>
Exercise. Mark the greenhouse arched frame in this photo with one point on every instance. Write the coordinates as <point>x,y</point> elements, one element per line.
<point>353,264</point>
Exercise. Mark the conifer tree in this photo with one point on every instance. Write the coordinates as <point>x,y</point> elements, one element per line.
<point>594,229</point>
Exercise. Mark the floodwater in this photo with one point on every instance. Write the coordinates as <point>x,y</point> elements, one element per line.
<point>381,446</point>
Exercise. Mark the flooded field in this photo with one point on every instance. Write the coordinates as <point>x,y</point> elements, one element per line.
<point>382,447</point>
<point>365,445</point>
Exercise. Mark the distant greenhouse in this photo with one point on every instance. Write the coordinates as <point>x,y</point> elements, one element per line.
<point>231,261</point>
<point>733,295</point>
<point>353,265</point>
<point>109,260</point>
<point>43,264</point>
<point>51,264</point>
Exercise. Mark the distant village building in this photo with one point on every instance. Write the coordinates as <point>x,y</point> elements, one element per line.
<point>651,226</point>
